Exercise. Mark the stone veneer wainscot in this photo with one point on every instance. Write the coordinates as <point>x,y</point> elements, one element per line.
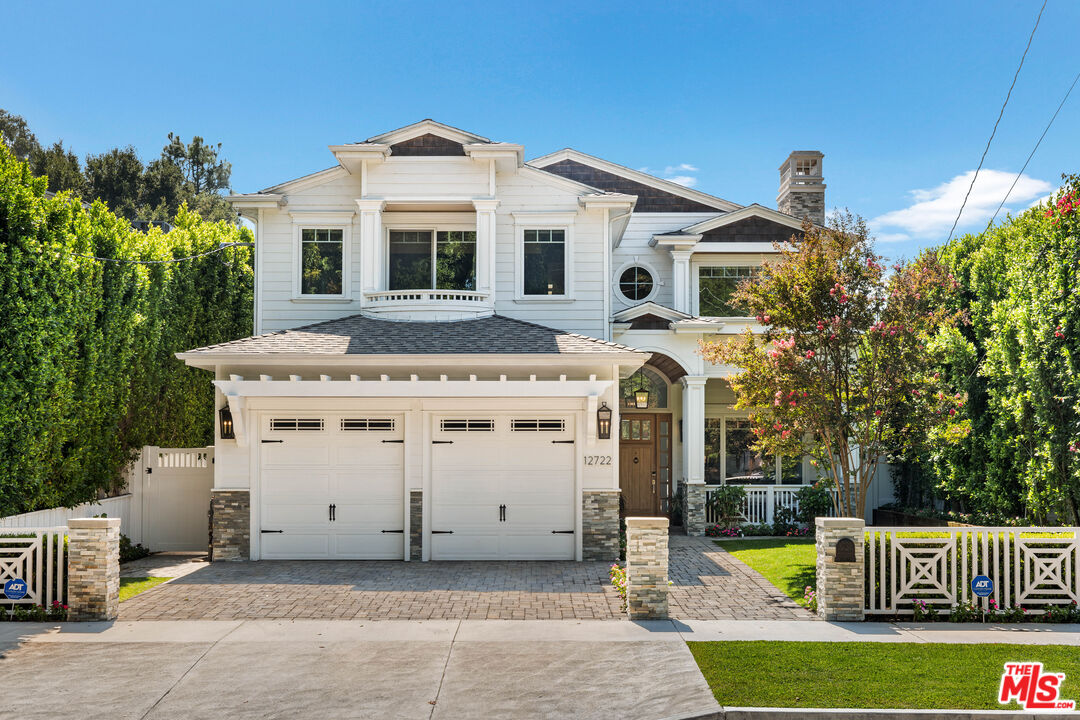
<point>600,525</point>
<point>232,524</point>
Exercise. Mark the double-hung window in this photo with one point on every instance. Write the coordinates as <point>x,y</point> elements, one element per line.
<point>544,262</point>
<point>716,285</point>
<point>432,260</point>
<point>322,253</point>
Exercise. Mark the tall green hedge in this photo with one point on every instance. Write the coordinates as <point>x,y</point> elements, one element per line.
<point>87,366</point>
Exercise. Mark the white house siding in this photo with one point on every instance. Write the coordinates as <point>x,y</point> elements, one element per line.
<point>635,249</point>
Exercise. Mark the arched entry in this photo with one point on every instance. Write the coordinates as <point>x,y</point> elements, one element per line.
<point>647,437</point>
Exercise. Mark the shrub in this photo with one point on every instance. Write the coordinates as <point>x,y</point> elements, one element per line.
<point>129,552</point>
<point>727,502</point>
<point>784,521</point>
<point>814,501</point>
<point>617,573</point>
<point>809,599</point>
<point>716,530</point>
<point>752,530</point>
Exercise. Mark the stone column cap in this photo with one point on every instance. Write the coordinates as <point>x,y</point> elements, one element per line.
<point>647,522</point>
<point>93,523</point>
<point>839,522</point>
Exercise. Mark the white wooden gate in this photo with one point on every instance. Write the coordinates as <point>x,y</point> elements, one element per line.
<point>36,556</point>
<point>176,484</point>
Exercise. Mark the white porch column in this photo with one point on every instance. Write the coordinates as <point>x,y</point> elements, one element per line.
<point>680,280</point>
<point>371,243</point>
<point>485,245</point>
<point>693,442</point>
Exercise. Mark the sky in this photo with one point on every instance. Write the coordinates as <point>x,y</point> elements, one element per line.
<point>901,97</point>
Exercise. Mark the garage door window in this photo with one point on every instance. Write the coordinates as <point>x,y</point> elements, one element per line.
<point>296,424</point>
<point>539,425</point>
<point>367,424</point>
<point>467,425</point>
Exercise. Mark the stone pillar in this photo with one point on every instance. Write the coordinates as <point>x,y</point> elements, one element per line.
<point>232,524</point>
<point>93,568</point>
<point>841,575</point>
<point>693,508</point>
<point>647,568</point>
<point>600,525</point>
<point>416,525</point>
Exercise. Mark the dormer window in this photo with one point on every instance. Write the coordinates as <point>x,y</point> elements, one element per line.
<point>432,260</point>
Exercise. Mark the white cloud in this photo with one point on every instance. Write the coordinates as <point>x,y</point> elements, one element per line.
<point>684,180</point>
<point>675,173</point>
<point>932,211</point>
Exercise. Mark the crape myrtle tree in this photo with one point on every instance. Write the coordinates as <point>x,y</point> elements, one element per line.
<point>845,369</point>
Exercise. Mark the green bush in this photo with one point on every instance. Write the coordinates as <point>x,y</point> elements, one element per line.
<point>726,503</point>
<point>814,501</point>
<point>129,552</point>
<point>87,366</point>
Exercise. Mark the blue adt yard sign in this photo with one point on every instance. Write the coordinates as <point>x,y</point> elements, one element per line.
<point>982,586</point>
<point>15,589</point>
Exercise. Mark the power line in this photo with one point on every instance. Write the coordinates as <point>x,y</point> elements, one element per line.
<point>994,131</point>
<point>1032,154</point>
<point>220,248</point>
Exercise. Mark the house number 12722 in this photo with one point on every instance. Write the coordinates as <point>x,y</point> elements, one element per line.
<point>597,459</point>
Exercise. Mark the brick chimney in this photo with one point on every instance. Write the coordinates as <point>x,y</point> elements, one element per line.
<point>802,187</point>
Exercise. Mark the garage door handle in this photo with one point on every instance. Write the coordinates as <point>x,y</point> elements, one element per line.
<point>442,532</point>
<point>563,442</point>
<point>442,442</point>
<point>393,531</point>
<point>271,531</point>
<point>273,441</point>
<point>562,532</point>
<point>393,441</point>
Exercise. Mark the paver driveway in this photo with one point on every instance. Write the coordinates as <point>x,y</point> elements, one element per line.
<point>709,584</point>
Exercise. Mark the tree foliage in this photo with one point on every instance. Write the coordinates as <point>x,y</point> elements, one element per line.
<point>61,166</point>
<point>87,366</point>
<point>1020,283</point>
<point>115,178</point>
<point>844,369</point>
<point>17,136</point>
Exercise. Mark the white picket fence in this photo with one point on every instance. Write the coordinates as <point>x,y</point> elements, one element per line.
<point>37,557</point>
<point>165,507</point>
<point>1031,567</point>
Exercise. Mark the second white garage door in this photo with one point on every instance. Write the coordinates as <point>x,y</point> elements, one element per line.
<point>331,487</point>
<point>502,487</point>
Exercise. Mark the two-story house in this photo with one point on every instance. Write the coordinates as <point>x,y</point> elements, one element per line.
<point>463,355</point>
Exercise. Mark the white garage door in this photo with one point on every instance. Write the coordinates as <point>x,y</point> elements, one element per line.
<point>331,487</point>
<point>502,487</point>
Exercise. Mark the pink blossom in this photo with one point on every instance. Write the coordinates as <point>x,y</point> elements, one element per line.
<point>809,354</point>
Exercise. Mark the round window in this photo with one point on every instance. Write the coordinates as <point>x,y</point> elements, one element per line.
<point>636,283</point>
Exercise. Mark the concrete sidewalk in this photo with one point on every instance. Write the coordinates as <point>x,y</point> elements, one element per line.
<point>349,669</point>
<point>942,632</point>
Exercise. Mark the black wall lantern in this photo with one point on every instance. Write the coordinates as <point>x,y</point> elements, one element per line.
<point>603,422</point>
<point>225,420</point>
<point>641,395</point>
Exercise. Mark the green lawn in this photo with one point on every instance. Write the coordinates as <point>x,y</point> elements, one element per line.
<point>788,563</point>
<point>132,586</point>
<point>871,675</point>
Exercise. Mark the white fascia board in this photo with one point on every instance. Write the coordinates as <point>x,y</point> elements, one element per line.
<point>320,217</point>
<point>635,175</point>
<point>608,200</point>
<point>691,326</point>
<point>413,388</point>
<point>425,127</point>
<point>754,210</point>
<point>496,151</point>
<point>307,181</point>
<point>650,308</point>
<point>684,242</point>
<point>720,248</point>
<point>353,157</point>
<point>254,201</point>
<point>209,360</point>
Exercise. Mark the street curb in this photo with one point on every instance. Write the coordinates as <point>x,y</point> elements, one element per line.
<point>752,713</point>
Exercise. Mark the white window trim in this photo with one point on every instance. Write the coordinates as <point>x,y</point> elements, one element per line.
<point>543,221</point>
<point>618,289</point>
<point>724,416</point>
<point>695,288</point>
<point>434,230</point>
<point>323,221</point>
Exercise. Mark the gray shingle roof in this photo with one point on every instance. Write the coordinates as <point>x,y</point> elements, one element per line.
<point>360,335</point>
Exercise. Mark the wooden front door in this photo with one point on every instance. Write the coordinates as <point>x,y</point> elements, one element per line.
<point>645,463</point>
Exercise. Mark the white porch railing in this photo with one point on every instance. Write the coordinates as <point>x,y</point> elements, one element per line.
<point>36,556</point>
<point>761,504</point>
<point>394,297</point>
<point>1031,567</point>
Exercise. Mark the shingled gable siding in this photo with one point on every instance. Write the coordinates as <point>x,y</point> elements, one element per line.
<point>649,198</point>
<point>429,144</point>
<point>752,229</point>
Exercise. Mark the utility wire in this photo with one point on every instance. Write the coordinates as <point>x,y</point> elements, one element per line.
<point>1032,154</point>
<point>220,248</point>
<point>994,131</point>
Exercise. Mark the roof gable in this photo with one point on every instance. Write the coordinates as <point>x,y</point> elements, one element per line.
<point>428,145</point>
<point>654,194</point>
<point>426,127</point>
<point>753,223</point>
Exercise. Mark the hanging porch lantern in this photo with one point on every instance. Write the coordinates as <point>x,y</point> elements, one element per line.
<point>226,423</point>
<point>641,395</point>
<point>603,422</point>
